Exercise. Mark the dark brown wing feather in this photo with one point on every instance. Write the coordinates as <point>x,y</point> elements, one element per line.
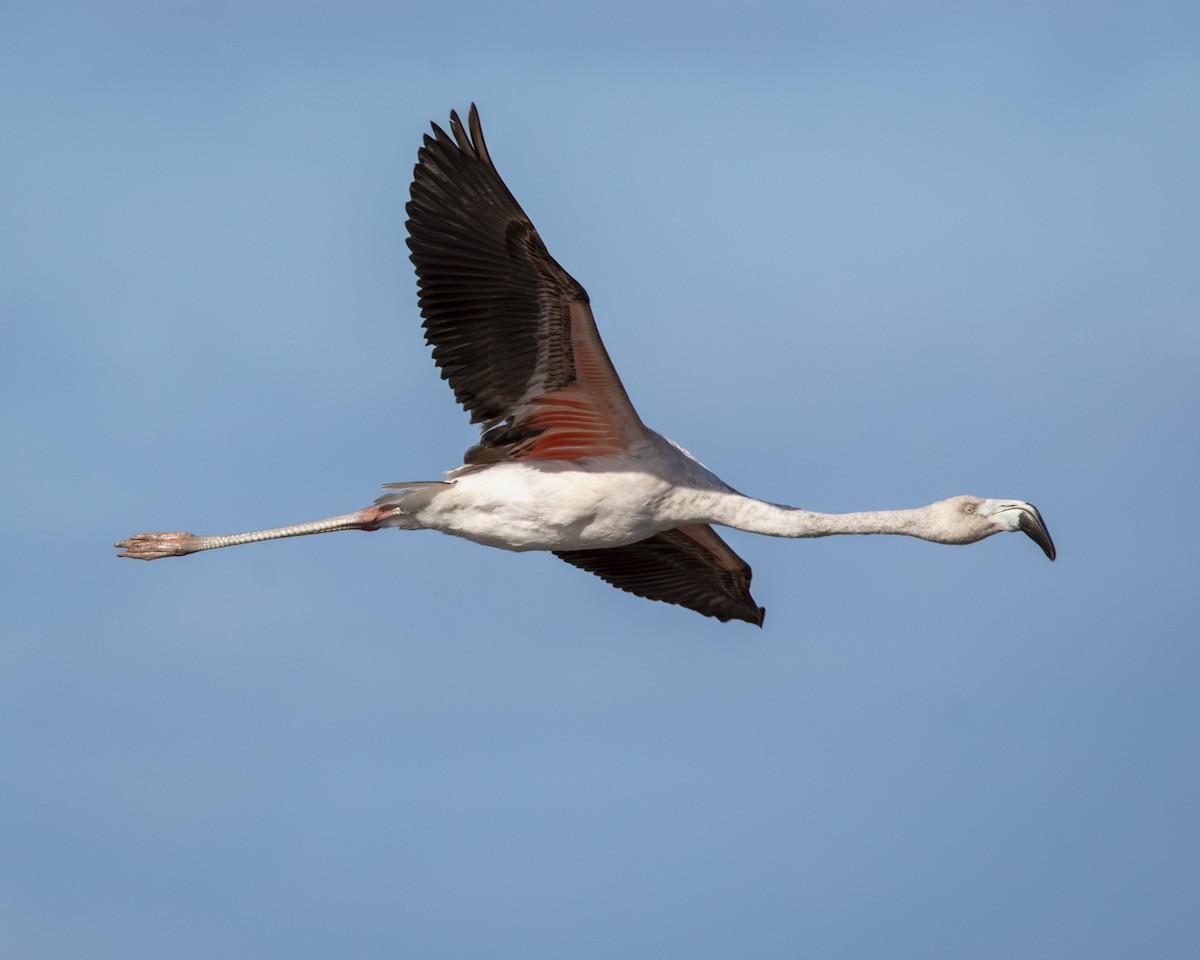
<point>690,566</point>
<point>510,329</point>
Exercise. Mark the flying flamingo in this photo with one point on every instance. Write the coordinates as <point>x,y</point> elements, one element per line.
<point>564,463</point>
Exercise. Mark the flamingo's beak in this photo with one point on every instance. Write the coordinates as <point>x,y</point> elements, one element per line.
<point>1018,515</point>
<point>1033,526</point>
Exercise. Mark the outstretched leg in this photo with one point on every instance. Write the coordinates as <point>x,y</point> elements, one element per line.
<point>152,546</point>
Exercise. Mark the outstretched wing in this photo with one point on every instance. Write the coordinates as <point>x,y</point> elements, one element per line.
<point>510,329</point>
<point>690,566</point>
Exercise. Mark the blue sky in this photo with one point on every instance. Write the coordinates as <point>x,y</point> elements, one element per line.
<point>851,256</point>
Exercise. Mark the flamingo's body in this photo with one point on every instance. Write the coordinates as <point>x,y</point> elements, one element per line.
<point>564,462</point>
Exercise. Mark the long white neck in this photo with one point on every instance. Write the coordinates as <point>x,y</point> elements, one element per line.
<point>776,520</point>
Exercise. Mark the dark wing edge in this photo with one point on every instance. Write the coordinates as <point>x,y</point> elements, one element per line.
<point>690,566</point>
<point>509,326</point>
<point>479,301</point>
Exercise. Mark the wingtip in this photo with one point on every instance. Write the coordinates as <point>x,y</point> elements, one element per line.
<point>468,137</point>
<point>751,615</point>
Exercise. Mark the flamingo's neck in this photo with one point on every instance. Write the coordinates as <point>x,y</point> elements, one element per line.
<point>777,520</point>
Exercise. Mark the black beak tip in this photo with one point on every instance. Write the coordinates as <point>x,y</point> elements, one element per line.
<point>1035,528</point>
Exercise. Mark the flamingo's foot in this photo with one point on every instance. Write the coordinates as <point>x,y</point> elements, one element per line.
<point>151,546</point>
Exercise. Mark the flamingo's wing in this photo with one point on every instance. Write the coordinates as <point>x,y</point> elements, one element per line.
<point>511,330</point>
<point>689,565</point>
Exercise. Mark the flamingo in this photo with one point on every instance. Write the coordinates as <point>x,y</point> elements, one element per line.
<point>563,462</point>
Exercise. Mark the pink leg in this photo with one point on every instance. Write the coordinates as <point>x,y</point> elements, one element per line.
<point>152,546</point>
